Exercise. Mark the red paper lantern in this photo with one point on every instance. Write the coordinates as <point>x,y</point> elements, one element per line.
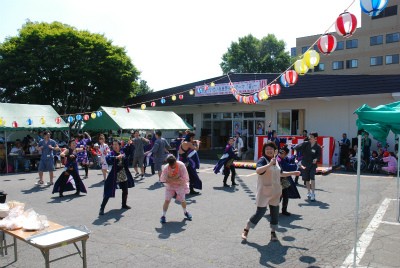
<point>274,89</point>
<point>181,97</point>
<point>291,77</point>
<point>327,44</point>
<point>58,120</point>
<point>128,110</point>
<point>346,24</point>
<point>14,124</point>
<point>86,117</point>
<point>153,104</point>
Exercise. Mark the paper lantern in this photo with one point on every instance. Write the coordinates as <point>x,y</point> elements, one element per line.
<point>29,121</point>
<point>300,67</point>
<point>58,120</point>
<point>153,104</point>
<point>191,92</point>
<point>274,89</point>
<point>14,124</point>
<point>113,112</point>
<point>86,117</point>
<point>173,98</point>
<point>99,113</point>
<point>373,7</point>
<point>199,90</point>
<point>205,87</point>
<point>212,84</point>
<point>291,77</point>
<point>346,24</point>
<point>42,121</point>
<point>311,58</point>
<point>143,106</point>
<point>255,97</point>
<point>2,121</point>
<point>78,117</point>
<point>181,97</point>
<point>162,100</point>
<point>327,44</point>
<point>128,110</point>
<point>93,115</point>
<point>70,119</point>
<point>283,81</point>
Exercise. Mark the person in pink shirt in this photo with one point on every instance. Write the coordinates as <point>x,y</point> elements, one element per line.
<point>391,161</point>
<point>176,179</point>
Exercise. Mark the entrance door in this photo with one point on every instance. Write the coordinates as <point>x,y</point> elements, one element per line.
<point>220,133</point>
<point>248,133</point>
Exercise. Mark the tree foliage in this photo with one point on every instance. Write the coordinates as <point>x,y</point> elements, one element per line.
<point>251,55</point>
<point>142,88</point>
<point>72,70</point>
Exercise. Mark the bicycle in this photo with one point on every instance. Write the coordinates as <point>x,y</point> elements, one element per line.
<point>354,164</point>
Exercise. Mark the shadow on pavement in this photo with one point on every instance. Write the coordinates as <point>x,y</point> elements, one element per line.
<point>172,227</point>
<point>273,253</point>
<point>114,214</point>
<point>35,189</point>
<point>155,186</point>
<point>97,184</point>
<point>286,222</point>
<point>226,189</point>
<point>316,203</point>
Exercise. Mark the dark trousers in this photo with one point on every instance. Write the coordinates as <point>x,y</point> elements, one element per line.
<point>75,176</point>
<point>124,188</point>
<point>285,199</point>
<point>227,171</point>
<point>260,212</point>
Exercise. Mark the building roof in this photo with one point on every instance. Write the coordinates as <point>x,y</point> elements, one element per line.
<point>308,86</point>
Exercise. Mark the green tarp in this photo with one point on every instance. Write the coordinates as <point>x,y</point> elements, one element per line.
<point>119,118</point>
<point>380,120</point>
<point>40,117</point>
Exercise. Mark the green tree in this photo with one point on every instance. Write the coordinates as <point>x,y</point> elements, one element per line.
<point>142,88</point>
<point>72,70</point>
<point>251,55</point>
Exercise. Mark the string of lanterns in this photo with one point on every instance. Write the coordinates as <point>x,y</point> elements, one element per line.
<point>345,24</point>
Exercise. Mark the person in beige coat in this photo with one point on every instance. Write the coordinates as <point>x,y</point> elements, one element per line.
<point>269,189</point>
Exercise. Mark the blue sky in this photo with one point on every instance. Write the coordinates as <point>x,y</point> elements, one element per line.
<point>176,42</point>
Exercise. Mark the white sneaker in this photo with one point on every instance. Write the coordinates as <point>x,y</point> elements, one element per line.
<point>136,175</point>
<point>308,195</point>
<point>142,176</point>
<point>312,197</point>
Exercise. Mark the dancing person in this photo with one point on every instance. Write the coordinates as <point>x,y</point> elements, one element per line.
<point>138,155</point>
<point>119,177</point>
<point>63,184</point>
<point>104,150</point>
<point>311,152</point>
<point>188,155</point>
<point>83,160</point>
<point>176,179</point>
<point>159,151</point>
<point>226,162</point>
<point>269,189</point>
<point>47,147</point>
<point>289,189</point>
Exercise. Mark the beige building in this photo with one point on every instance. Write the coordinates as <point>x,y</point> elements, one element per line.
<point>373,49</point>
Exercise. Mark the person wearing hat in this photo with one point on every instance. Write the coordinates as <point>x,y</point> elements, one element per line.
<point>388,157</point>
<point>96,155</point>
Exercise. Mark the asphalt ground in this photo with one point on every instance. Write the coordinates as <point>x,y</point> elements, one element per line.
<point>317,234</point>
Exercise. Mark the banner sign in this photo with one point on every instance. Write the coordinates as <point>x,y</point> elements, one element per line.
<point>246,87</point>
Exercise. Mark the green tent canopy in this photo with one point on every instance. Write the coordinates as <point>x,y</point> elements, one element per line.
<point>119,118</point>
<point>39,117</point>
<point>379,120</point>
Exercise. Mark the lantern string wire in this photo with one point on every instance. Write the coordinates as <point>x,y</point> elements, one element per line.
<point>300,57</point>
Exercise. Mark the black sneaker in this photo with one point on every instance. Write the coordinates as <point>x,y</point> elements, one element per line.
<point>101,212</point>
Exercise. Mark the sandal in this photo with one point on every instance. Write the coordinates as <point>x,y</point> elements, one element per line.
<point>39,183</point>
<point>274,238</point>
<point>245,234</point>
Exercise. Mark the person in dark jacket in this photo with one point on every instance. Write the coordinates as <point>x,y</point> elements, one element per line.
<point>119,177</point>
<point>226,163</point>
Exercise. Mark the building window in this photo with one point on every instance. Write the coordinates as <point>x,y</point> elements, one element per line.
<point>387,12</point>
<point>340,45</point>
<point>316,48</point>
<point>376,40</point>
<point>375,61</point>
<point>290,122</point>
<point>293,52</point>
<point>188,118</point>
<point>351,43</point>
<point>392,59</point>
<point>351,64</point>
<point>320,67</point>
<point>304,49</point>
<point>337,65</point>
<point>393,37</point>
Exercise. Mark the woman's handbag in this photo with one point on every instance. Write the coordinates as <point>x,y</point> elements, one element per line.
<point>285,183</point>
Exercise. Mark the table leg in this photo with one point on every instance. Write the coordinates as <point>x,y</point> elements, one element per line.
<point>46,254</point>
<point>84,253</point>
<point>15,249</point>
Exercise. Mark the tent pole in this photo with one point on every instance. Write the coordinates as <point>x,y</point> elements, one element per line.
<point>357,200</point>
<point>398,183</point>
<point>5,142</point>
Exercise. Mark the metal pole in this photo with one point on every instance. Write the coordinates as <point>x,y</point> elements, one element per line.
<point>357,200</point>
<point>398,183</point>
<point>5,142</point>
